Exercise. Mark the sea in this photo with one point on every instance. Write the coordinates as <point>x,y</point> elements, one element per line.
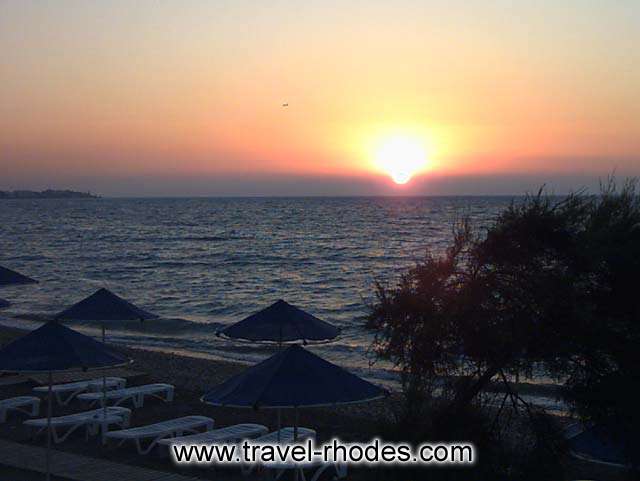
<point>203,263</point>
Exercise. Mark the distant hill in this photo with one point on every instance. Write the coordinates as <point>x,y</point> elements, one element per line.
<point>46,194</point>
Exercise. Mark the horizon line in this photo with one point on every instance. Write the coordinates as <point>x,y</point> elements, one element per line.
<point>313,196</point>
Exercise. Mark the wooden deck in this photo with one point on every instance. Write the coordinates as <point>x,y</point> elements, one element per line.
<point>76,467</point>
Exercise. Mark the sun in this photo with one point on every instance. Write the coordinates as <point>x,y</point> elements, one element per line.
<point>401,158</point>
<point>400,177</point>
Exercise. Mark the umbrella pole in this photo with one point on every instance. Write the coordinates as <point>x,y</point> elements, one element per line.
<point>104,393</point>
<point>297,469</point>
<point>279,410</point>
<point>49,402</point>
<point>279,423</point>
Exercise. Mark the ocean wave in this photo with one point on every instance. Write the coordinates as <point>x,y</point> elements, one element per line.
<point>159,326</point>
<point>212,238</point>
<point>201,263</point>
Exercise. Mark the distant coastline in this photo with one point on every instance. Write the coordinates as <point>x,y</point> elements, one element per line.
<point>46,194</point>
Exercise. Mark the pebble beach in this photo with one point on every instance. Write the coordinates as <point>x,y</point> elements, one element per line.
<point>192,377</point>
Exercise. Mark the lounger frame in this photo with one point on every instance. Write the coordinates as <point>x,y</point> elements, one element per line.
<point>286,436</point>
<point>135,394</point>
<point>277,473</point>
<point>73,389</point>
<point>194,426</point>
<point>29,405</point>
<point>93,421</point>
<point>227,434</point>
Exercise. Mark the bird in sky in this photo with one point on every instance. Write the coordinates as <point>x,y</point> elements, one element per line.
<point>285,105</point>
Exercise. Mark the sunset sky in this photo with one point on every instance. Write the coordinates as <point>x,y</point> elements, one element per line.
<point>186,97</point>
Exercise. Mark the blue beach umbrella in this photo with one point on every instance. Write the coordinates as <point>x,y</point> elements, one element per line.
<point>281,322</point>
<point>9,277</point>
<point>55,348</point>
<point>291,379</point>
<point>103,305</point>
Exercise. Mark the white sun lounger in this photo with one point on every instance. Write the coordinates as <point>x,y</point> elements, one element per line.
<point>136,394</point>
<point>286,437</point>
<point>228,434</point>
<point>90,420</point>
<point>26,404</point>
<point>277,470</point>
<point>64,393</point>
<point>155,432</point>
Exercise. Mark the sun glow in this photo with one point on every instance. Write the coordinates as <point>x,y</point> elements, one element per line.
<point>401,158</point>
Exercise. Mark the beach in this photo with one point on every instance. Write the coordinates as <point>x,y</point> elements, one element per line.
<point>192,377</point>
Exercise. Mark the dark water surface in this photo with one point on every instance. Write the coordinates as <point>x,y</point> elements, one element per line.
<point>203,262</point>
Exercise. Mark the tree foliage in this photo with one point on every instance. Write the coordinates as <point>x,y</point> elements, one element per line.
<point>552,286</point>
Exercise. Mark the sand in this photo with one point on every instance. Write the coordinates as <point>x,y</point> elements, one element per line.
<point>192,377</point>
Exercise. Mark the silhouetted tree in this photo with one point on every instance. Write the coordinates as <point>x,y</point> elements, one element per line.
<point>604,364</point>
<point>552,285</point>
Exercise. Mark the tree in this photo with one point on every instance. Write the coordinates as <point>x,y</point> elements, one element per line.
<point>603,371</point>
<point>551,285</point>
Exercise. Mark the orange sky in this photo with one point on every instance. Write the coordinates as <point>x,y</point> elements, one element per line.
<point>99,90</point>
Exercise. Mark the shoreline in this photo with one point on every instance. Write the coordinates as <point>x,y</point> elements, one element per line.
<point>192,377</point>
<point>196,375</point>
<point>210,366</point>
